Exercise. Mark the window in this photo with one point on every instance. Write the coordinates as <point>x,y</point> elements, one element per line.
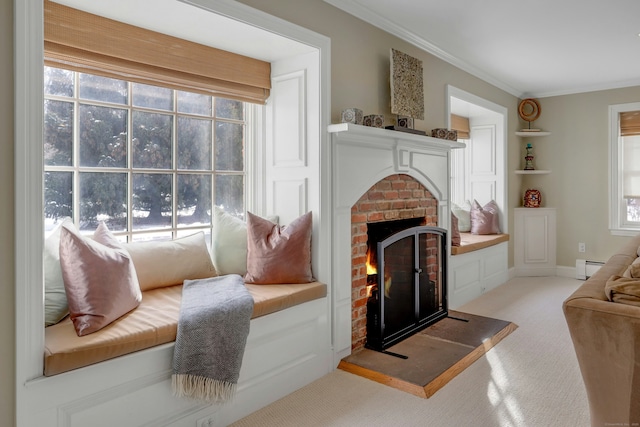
<point>149,161</point>
<point>478,171</point>
<point>624,170</point>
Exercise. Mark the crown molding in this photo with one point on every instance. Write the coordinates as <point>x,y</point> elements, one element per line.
<point>584,89</point>
<point>360,11</point>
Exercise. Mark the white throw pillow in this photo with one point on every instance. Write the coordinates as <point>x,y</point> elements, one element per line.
<point>55,297</point>
<point>463,213</point>
<point>171,262</point>
<point>229,242</point>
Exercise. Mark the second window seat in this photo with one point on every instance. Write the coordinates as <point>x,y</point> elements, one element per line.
<point>473,242</point>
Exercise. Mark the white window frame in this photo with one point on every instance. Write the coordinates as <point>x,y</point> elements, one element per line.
<point>618,224</point>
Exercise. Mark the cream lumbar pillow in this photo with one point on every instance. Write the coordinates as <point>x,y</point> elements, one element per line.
<point>99,278</point>
<point>278,254</point>
<point>463,213</point>
<point>171,262</point>
<point>55,297</point>
<point>229,242</point>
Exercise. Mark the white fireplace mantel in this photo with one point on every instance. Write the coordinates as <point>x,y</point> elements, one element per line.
<point>362,156</point>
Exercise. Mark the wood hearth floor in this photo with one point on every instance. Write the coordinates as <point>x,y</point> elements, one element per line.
<point>435,355</point>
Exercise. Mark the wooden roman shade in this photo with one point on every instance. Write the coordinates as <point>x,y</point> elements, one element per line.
<point>630,131</point>
<point>630,123</point>
<point>460,124</point>
<point>84,42</point>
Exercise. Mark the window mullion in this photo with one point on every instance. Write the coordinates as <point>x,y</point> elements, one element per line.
<point>174,165</point>
<point>75,186</point>
<point>129,163</point>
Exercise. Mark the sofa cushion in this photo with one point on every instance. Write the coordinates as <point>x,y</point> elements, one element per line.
<point>99,278</point>
<point>278,254</point>
<point>170,262</point>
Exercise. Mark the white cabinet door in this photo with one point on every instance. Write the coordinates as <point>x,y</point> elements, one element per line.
<point>535,241</point>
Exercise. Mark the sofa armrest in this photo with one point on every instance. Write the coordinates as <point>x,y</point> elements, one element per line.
<point>606,339</point>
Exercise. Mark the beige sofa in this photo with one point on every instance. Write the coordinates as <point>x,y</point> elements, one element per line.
<point>606,338</point>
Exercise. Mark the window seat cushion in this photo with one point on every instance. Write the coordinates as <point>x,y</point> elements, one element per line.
<point>472,242</point>
<point>152,323</point>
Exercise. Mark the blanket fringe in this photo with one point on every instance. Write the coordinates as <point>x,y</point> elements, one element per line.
<point>202,388</point>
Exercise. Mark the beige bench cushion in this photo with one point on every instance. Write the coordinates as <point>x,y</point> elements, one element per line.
<point>154,322</point>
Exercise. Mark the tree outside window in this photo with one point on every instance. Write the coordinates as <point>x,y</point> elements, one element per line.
<point>141,158</point>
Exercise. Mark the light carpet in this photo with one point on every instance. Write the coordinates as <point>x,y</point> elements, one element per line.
<point>531,379</point>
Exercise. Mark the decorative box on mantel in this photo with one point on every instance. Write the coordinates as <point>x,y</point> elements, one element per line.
<point>361,157</point>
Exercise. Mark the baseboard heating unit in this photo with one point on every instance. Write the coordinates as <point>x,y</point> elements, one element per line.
<point>586,268</point>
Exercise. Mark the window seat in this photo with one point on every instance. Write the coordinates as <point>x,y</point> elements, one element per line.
<point>473,242</point>
<point>479,264</point>
<point>152,323</point>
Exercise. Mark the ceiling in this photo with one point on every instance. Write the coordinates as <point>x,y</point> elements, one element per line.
<point>529,49</point>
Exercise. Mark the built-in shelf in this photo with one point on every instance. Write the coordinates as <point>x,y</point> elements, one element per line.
<point>532,134</point>
<point>533,172</point>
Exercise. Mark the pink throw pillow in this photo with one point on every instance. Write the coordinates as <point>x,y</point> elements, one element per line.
<point>99,278</point>
<point>485,219</point>
<point>278,254</point>
<point>455,232</point>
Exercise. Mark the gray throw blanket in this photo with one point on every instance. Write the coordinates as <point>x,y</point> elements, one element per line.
<point>212,332</point>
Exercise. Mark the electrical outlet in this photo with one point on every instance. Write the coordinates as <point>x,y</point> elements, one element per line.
<point>582,247</point>
<point>209,421</point>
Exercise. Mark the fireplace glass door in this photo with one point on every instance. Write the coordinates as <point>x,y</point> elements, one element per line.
<point>411,287</point>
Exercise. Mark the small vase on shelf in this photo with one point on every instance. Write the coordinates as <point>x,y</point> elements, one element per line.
<point>528,159</point>
<point>532,198</point>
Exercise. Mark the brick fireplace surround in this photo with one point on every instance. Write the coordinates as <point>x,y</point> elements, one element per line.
<point>395,197</point>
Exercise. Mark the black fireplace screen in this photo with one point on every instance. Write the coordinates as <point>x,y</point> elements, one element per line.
<point>409,293</point>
